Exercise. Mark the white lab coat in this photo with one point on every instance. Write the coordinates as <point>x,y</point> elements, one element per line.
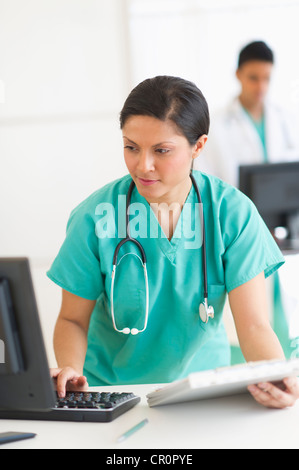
<point>233,141</point>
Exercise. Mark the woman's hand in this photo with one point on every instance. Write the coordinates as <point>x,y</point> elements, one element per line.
<point>67,379</point>
<point>279,395</point>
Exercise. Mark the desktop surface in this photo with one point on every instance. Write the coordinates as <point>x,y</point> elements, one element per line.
<point>236,422</point>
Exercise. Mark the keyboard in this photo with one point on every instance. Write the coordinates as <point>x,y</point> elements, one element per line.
<point>97,407</point>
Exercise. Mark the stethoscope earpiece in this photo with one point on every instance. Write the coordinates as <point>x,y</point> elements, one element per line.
<point>127,331</point>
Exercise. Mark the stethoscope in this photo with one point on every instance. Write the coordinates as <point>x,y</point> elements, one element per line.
<point>205,310</point>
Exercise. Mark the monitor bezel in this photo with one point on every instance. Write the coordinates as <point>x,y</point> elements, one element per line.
<point>32,388</point>
<point>246,172</point>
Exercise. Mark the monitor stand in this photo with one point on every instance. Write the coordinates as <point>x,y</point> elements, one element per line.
<point>293,225</point>
<point>291,244</point>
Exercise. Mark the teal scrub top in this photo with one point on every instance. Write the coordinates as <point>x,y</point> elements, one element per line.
<point>260,127</point>
<point>176,342</point>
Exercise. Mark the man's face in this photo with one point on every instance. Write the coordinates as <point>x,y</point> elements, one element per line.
<point>254,77</point>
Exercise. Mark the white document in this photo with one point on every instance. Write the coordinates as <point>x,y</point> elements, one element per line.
<point>223,382</point>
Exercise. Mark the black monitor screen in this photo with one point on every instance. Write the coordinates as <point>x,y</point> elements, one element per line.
<point>274,189</point>
<point>25,382</point>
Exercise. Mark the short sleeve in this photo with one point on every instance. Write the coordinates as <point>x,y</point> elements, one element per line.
<point>249,246</point>
<point>77,267</point>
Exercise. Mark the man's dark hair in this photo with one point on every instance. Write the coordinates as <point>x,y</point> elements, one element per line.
<point>257,50</point>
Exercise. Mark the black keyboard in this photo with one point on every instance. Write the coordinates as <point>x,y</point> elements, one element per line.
<point>81,406</point>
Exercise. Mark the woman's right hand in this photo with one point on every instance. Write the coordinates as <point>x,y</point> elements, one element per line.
<point>67,379</point>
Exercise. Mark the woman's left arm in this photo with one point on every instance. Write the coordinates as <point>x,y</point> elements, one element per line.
<point>259,342</point>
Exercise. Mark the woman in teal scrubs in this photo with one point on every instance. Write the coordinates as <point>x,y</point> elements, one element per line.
<point>165,123</point>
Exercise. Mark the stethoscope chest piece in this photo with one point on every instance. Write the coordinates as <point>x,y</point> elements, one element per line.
<point>206,312</point>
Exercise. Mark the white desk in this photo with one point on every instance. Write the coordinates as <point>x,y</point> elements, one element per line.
<point>226,423</point>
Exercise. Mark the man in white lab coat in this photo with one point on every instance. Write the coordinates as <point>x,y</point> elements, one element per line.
<point>250,130</point>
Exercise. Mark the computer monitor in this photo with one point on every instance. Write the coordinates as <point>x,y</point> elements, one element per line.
<point>274,189</point>
<point>25,382</point>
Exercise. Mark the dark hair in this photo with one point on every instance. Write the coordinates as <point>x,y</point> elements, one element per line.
<point>257,50</point>
<point>170,98</point>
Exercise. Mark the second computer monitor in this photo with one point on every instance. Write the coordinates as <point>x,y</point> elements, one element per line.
<point>274,189</point>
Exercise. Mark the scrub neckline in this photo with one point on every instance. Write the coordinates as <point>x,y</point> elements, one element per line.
<point>169,247</point>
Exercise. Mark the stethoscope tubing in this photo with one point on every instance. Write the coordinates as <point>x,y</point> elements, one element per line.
<point>205,317</point>
<point>204,244</point>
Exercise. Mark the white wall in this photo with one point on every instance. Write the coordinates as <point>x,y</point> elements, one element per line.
<point>64,64</point>
<point>64,68</point>
<point>200,40</point>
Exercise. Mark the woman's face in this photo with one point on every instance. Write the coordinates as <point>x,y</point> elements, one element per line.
<point>158,158</point>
